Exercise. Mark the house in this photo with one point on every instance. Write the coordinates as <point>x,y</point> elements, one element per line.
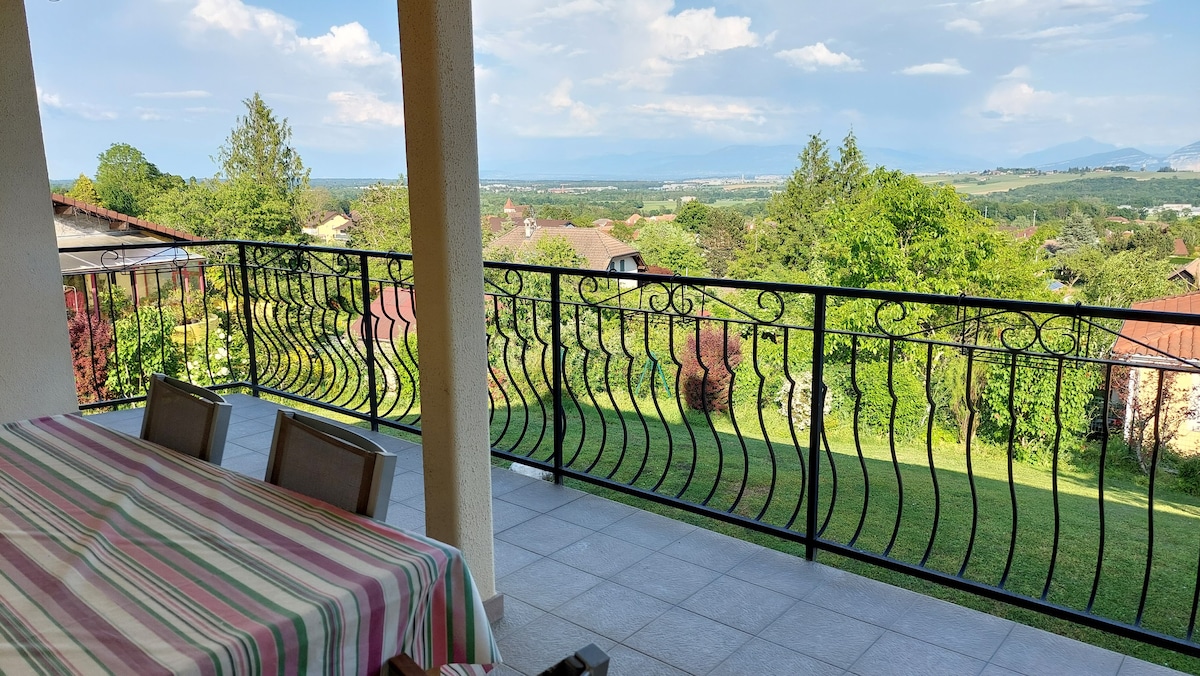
<point>1170,352</point>
<point>515,211</point>
<point>600,251</point>
<point>140,272</point>
<point>330,226</point>
<point>1188,273</point>
<point>500,225</point>
<point>632,220</point>
<point>664,218</point>
<point>603,223</point>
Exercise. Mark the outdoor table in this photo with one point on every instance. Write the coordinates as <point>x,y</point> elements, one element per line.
<point>120,556</point>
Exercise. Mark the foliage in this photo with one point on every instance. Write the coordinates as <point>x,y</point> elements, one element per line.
<point>144,347</point>
<point>91,344</point>
<point>1036,409</point>
<point>877,387</point>
<point>706,373</point>
<point>1153,410</point>
<point>693,216</point>
<point>1187,478</point>
<point>1126,278</point>
<point>384,223</point>
<point>127,182</point>
<point>795,401</point>
<point>554,251</point>
<point>721,236</point>
<point>235,209</point>
<point>668,245</point>
<point>1077,233</point>
<point>259,150</point>
<point>84,191</point>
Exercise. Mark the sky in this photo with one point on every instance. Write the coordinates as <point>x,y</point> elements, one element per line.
<point>577,79</point>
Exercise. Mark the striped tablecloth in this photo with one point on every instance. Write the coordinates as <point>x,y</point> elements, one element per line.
<point>118,556</point>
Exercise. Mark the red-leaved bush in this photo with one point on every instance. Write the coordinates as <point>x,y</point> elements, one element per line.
<point>706,371</point>
<point>91,343</point>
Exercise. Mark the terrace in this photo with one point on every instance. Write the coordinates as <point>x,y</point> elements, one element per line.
<point>640,405</point>
<point>583,380</point>
<point>666,597</point>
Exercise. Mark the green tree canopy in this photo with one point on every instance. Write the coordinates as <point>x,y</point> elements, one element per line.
<point>1077,233</point>
<point>670,246</point>
<point>693,216</point>
<point>84,190</point>
<point>384,223</point>
<point>259,149</point>
<point>554,251</point>
<point>127,182</point>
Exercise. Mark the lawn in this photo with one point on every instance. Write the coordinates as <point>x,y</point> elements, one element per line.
<point>704,460</point>
<point>974,184</point>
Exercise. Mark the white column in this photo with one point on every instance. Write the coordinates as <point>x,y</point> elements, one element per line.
<point>437,54</point>
<point>35,355</point>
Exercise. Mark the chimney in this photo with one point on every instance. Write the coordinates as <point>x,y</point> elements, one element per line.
<point>530,225</point>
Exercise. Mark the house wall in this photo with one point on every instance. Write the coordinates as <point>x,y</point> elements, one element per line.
<point>1180,409</point>
<point>35,355</point>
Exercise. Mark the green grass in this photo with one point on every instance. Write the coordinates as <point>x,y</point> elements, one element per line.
<point>662,457</point>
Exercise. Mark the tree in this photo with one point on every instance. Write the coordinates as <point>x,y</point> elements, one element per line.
<point>669,246</point>
<point>693,216</point>
<point>708,365</point>
<point>84,191</point>
<point>850,168</point>
<point>384,223</point>
<point>555,252</point>
<point>259,150</point>
<point>126,181</point>
<point>1077,233</point>
<point>144,347</point>
<point>721,236</point>
<point>91,345</point>
<point>1127,277</point>
<point>227,210</point>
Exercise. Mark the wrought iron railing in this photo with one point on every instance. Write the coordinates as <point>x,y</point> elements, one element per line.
<point>1040,454</point>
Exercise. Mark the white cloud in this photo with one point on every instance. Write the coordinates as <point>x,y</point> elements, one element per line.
<point>349,44</point>
<point>185,94</point>
<point>345,45</point>
<point>559,98</point>
<point>696,32</point>
<point>1013,101</point>
<point>1018,73</point>
<point>943,67</point>
<point>699,109</point>
<point>570,9</point>
<point>87,111</point>
<point>1077,29</point>
<point>364,108</point>
<point>965,25</point>
<point>817,56</point>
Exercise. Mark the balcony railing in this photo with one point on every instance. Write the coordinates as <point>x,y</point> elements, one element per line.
<point>1039,454</point>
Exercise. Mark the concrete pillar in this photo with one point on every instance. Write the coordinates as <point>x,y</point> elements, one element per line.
<point>436,50</point>
<point>35,355</point>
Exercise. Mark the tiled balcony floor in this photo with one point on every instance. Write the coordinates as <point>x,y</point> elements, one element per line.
<point>664,597</point>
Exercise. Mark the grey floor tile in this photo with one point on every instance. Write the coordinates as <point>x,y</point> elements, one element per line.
<point>593,512</point>
<point>506,480</point>
<point>898,655</point>
<point>612,610</point>
<point>259,441</point>
<point>405,518</point>
<point>963,630</point>
<point>625,661</point>
<point>546,584</point>
<point>542,496</point>
<point>784,573</point>
<point>517,614</point>
<point>1132,666</point>
<point>823,634</point>
<point>253,465</point>
<point>665,577</point>
<point>505,515</point>
<point>687,641</point>
<point>545,641</point>
<point>544,534</point>
<point>863,599</point>
<point>649,530</point>
<point>993,670</point>
<point>505,670</point>
<point>1036,653</point>
<point>233,450</point>
<point>759,657</point>
<point>249,426</point>
<point>407,485</point>
<point>739,604</point>
<point>601,554</point>
<point>510,557</point>
<point>407,459</point>
<point>711,550</point>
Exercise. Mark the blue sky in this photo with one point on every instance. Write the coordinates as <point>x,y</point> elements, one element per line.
<point>582,78</point>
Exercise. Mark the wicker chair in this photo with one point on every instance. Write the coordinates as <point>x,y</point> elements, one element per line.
<point>186,418</point>
<point>328,462</point>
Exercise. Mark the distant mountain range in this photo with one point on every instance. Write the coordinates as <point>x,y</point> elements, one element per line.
<point>782,160</point>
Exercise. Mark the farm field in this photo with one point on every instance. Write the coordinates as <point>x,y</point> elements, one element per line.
<point>974,184</point>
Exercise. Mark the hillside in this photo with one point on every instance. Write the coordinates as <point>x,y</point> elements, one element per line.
<point>1111,190</point>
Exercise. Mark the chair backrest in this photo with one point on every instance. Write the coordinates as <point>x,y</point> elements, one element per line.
<point>186,418</point>
<point>328,462</point>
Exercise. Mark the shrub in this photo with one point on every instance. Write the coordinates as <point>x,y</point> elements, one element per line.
<point>91,343</point>
<point>706,372</point>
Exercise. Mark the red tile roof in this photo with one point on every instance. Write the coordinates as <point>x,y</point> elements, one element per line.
<point>596,247</point>
<point>122,219</point>
<point>392,316</point>
<point>1181,249</point>
<point>1156,339</point>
